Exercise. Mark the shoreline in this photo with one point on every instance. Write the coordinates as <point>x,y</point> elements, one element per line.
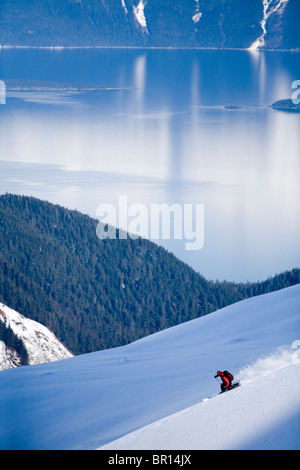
<point>58,48</point>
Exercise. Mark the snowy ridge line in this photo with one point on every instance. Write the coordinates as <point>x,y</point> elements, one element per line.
<point>269,8</point>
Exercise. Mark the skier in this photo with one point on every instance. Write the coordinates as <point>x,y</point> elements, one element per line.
<point>226,378</point>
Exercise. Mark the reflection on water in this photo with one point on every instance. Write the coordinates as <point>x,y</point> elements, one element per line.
<point>158,131</point>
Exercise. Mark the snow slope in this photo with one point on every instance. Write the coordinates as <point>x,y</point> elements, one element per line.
<point>262,415</point>
<point>87,402</point>
<point>41,344</point>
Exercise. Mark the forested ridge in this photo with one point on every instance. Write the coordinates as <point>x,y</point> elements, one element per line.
<point>151,23</point>
<point>97,294</point>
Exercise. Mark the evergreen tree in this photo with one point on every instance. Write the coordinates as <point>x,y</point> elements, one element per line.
<point>12,341</point>
<point>97,294</point>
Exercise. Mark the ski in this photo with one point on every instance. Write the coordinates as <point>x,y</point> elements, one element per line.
<point>227,390</point>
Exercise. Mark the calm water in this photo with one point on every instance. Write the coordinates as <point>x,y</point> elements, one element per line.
<point>158,131</point>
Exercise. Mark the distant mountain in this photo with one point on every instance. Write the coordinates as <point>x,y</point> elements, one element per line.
<point>97,294</point>
<point>151,23</point>
<point>26,342</point>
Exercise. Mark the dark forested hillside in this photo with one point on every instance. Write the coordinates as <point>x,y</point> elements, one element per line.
<point>96,294</point>
<point>149,23</point>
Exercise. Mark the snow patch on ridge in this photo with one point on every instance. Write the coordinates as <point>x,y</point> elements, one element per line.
<point>41,344</point>
<point>124,6</point>
<point>269,8</point>
<point>198,13</point>
<point>197,17</point>
<point>140,14</point>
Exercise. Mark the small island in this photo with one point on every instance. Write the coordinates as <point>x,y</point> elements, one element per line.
<point>286,105</point>
<point>232,106</point>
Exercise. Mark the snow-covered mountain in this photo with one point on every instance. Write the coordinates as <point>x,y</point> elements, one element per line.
<point>40,343</point>
<point>158,23</point>
<point>89,401</point>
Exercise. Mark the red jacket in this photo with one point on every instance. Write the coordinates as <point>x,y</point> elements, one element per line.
<point>225,379</point>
